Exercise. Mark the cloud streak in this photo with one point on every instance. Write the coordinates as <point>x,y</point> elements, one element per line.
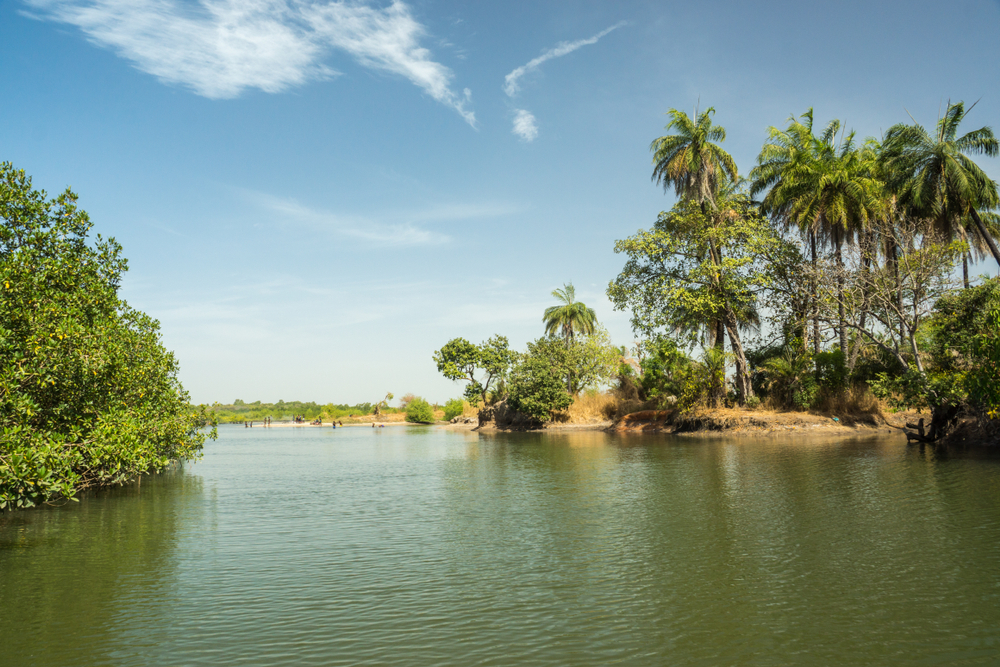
<point>511,86</point>
<point>365,229</point>
<point>404,230</point>
<point>219,48</point>
<point>525,125</point>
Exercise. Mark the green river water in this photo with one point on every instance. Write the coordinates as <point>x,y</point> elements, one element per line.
<point>423,546</point>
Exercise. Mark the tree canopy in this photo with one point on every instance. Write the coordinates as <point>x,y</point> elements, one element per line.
<point>88,394</point>
<point>570,316</point>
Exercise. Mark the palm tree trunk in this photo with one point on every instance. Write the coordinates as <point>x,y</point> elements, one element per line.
<point>965,270</point>
<point>840,295</point>
<point>985,234</point>
<point>813,295</point>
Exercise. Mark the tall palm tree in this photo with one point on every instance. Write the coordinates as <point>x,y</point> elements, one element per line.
<point>696,167</point>
<point>829,191</point>
<point>786,152</point>
<point>569,315</point>
<point>689,160</point>
<point>936,177</point>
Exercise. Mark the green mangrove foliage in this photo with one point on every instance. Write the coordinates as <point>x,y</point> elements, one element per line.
<point>88,394</point>
<point>962,351</point>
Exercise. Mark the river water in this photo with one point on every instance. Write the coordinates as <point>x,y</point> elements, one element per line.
<point>422,546</point>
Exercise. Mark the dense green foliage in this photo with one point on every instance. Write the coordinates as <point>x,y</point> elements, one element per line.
<point>419,411</point>
<point>88,394</point>
<point>672,379</point>
<point>536,385</point>
<point>673,280</point>
<point>453,408</point>
<point>962,347</point>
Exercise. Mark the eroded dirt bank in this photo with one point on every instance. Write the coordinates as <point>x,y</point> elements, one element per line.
<point>758,422</point>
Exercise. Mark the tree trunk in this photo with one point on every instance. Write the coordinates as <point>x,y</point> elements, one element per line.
<point>985,234</point>
<point>965,270</point>
<point>840,296</point>
<point>891,254</point>
<point>916,353</point>
<point>743,388</point>
<point>814,296</point>
<point>866,261</point>
<point>720,326</point>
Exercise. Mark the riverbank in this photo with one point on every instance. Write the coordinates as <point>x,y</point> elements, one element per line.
<point>759,422</point>
<point>730,421</point>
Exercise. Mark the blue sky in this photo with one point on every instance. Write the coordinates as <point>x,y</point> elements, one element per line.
<point>315,196</point>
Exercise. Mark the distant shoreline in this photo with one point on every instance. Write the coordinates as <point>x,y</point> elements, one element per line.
<point>352,424</point>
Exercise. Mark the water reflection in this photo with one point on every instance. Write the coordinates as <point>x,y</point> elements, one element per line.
<point>68,572</point>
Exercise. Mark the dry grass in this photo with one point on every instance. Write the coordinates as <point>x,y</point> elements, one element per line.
<point>367,419</point>
<point>593,406</point>
<point>854,405</point>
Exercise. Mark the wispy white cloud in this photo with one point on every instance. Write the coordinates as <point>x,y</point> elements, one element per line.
<point>219,48</point>
<point>367,229</point>
<point>511,86</point>
<point>389,229</point>
<point>525,125</point>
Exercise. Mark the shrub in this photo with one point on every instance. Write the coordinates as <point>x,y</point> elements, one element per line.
<point>536,387</point>
<point>789,379</point>
<point>419,411</point>
<point>665,369</point>
<point>831,370</point>
<point>453,408</point>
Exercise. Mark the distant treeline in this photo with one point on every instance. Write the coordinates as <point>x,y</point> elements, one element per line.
<point>241,411</point>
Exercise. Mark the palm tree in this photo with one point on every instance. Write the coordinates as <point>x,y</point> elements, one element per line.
<point>695,167</point>
<point>828,191</point>
<point>570,315</point>
<point>689,160</point>
<point>786,373</point>
<point>935,176</point>
<point>784,153</point>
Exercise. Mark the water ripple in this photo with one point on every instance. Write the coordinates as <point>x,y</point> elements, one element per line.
<point>428,547</point>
